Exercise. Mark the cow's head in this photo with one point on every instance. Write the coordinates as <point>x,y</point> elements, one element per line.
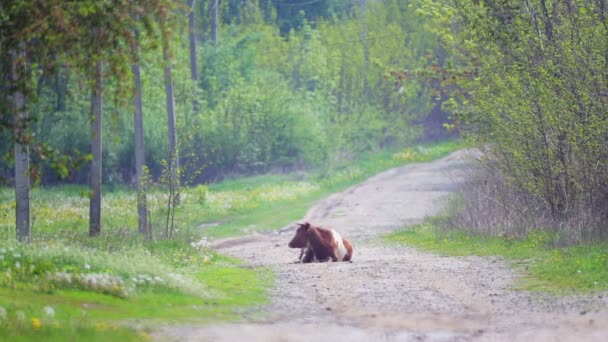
<point>301,238</point>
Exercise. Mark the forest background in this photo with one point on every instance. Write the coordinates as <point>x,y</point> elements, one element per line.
<point>279,86</point>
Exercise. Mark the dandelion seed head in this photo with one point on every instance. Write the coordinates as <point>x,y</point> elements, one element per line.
<point>49,311</point>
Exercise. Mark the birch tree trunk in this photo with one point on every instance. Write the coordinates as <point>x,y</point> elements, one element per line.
<point>22,160</point>
<point>173,152</point>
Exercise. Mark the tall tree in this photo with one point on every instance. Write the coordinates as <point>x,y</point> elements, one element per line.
<point>27,33</point>
<point>142,208</point>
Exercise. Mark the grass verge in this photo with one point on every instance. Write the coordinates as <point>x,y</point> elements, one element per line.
<point>547,268</point>
<point>61,291</point>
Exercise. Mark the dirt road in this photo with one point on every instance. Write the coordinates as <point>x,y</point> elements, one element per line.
<point>396,294</point>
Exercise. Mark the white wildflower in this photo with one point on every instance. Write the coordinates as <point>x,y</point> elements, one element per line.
<point>3,313</point>
<point>17,264</point>
<point>20,315</point>
<point>49,311</point>
<point>87,267</point>
<point>201,244</point>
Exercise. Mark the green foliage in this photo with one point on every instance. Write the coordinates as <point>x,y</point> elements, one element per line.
<point>547,268</point>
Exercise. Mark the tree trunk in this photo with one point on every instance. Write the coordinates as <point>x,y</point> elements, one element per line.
<point>363,4</point>
<point>192,36</point>
<point>96,150</point>
<point>142,208</point>
<point>214,24</point>
<point>173,152</point>
<point>22,161</point>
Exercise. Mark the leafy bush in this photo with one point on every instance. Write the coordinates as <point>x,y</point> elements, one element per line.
<point>535,98</point>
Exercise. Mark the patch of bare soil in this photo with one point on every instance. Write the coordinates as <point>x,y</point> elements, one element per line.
<point>393,293</point>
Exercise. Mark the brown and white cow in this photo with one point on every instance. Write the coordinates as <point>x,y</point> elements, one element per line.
<point>320,244</point>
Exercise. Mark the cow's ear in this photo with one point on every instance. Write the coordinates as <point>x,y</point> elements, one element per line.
<point>304,225</point>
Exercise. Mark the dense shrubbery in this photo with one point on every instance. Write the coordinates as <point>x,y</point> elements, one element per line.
<point>538,102</point>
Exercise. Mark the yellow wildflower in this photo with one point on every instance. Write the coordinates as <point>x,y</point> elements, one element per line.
<point>36,323</point>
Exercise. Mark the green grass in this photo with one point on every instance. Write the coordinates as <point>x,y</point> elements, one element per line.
<point>50,330</point>
<point>546,268</point>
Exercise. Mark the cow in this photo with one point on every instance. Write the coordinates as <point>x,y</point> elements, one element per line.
<point>320,244</point>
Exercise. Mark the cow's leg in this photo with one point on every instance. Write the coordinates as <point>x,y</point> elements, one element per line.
<point>302,251</point>
<point>309,256</point>
<point>349,250</point>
